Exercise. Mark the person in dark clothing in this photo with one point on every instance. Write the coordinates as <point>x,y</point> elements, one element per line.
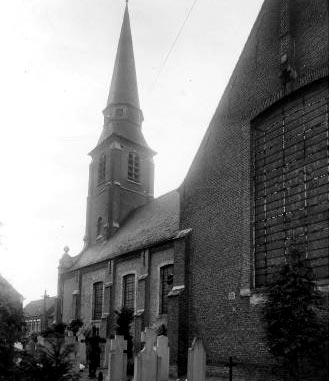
<point>94,352</point>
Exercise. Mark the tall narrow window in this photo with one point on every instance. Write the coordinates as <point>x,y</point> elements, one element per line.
<point>129,291</point>
<point>134,167</point>
<point>101,169</point>
<point>166,283</point>
<point>99,226</point>
<point>97,300</point>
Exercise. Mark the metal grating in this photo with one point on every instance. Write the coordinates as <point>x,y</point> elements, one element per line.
<point>291,184</point>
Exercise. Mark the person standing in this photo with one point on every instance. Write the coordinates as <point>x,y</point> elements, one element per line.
<point>94,351</point>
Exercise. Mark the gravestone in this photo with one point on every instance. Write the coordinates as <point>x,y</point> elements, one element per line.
<point>107,347</point>
<point>163,352</point>
<point>82,349</point>
<point>196,367</point>
<point>117,362</point>
<point>147,362</point>
<point>74,354</point>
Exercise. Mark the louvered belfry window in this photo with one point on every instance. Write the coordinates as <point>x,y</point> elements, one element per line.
<point>99,226</point>
<point>291,183</point>
<point>101,169</point>
<point>134,167</point>
<point>97,301</point>
<point>129,291</point>
<point>166,284</point>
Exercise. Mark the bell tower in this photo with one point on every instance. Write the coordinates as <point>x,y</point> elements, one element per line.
<point>121,172</point>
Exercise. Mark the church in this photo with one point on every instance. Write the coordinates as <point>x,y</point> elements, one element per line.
<point>197,259</point>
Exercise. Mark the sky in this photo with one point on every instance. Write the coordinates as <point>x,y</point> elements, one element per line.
<point>57,58</point>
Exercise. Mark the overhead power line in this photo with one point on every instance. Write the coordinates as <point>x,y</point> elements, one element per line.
<point>163,64</point>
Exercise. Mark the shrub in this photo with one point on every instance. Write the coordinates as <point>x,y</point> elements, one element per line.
<point>295,322</point>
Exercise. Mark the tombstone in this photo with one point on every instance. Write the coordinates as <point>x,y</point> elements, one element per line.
<point>196,367</point>
<point>107,347</point>
<point>82,349</point>
<point>163,353</point>
<point>147,362</point>
<point>74,354</point>
<point>41,341</point>
<point>117,368</point>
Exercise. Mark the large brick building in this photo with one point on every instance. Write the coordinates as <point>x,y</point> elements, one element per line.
<point>259,181</point>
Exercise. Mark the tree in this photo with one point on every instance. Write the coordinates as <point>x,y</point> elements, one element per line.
<point>75,325</point>
<point>296,321</point>
<point>51,361</point>
<point>11,331</point>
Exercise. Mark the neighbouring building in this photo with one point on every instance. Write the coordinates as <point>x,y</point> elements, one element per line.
<point>39,314</point>
<point>9,294</point>
<point>197,259</point>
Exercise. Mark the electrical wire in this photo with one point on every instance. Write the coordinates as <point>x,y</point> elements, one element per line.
<point>173,44</point>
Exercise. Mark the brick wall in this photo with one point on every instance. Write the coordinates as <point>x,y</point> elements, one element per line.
<point>216,200</point>
<point>125,267</point>
<point>116,196</point>
<point>87,281</point>
<point>158,259</point>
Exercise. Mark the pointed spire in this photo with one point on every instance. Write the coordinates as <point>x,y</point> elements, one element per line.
<point>124,81</point>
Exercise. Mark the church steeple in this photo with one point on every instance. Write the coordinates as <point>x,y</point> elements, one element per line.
<point>124,80</point>
<point>121,171</point>
<point>123,100</point>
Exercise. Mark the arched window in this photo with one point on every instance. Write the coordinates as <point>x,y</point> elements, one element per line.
<point>290,185</point>
<point>101,169</point>
<point>166,284</point>
<point>99,226</point>
<point>133,167</point>
<point>128,291</point>
<point>97,300</point>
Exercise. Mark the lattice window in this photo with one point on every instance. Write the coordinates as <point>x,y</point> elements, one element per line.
<point>166,284</point>
<point>101,169</point>
<point>134,167</point>
<point>97,301</point>
<point>128,291</point>
<point>291,184</point>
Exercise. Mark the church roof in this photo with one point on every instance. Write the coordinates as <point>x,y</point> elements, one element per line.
<point>255,83</point>
<point>124,130</point>
<point>148,225</point>
<point>124,80</point>
<point>35,307</point>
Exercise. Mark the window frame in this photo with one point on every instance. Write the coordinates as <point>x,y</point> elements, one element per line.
<point>99,227</point>
<point>99,311</point>
<point>123,290</point>
<point>134,167</point>
<point>101,171</point>
<point>163,308</point>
